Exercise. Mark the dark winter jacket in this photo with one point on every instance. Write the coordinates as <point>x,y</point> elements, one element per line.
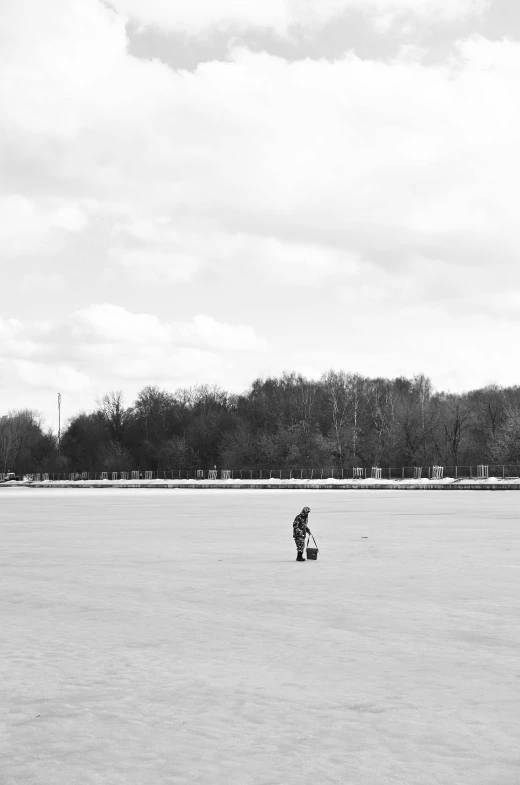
<point>300,528</point>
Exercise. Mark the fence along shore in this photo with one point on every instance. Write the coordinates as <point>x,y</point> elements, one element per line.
<point>435,472</point>
<point>482,475</point>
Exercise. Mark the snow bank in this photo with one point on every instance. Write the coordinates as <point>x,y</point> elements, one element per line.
<point>397,483</point>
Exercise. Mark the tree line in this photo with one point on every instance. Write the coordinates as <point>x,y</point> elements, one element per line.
<point>289,422</point>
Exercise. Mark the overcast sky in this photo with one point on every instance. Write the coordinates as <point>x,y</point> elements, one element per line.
<point>216,190</point>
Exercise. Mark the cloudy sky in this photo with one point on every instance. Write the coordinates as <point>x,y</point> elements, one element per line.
<point>216,190</point>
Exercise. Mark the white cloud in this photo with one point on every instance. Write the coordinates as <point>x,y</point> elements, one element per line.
<point>153,249</point>
<point>150,264</point>
<point>112,324</point>
<point>27,227</point>
<point>196,17</point>
<point>53,376</point>
<point>368,184</point>
<point>51,282</point>
<point>222,336</point>
<point>179,254</point>
<point>303,263</point>
<point>300,170</point>
<point>106,346</point>
<point>182,365</point>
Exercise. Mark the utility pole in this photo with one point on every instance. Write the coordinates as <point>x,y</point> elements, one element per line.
<point>59,423</point>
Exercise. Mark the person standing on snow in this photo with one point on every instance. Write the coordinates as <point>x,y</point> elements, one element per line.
<point>300,530</point>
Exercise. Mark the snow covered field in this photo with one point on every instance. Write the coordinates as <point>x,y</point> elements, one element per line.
<point>156,638</point>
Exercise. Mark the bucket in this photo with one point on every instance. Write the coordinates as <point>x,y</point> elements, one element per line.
<point>312,554</point>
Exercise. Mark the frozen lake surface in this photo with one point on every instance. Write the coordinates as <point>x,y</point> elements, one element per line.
<point>157,637</point>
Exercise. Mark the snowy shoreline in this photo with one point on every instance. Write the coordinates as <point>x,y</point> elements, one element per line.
<point>447,483</point>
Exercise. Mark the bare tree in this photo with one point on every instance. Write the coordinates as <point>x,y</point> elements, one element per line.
<point>303,403</point>
<point>416,419</point>
<point>346,397</point>
<point>490,405</point>
<point>457,419</point>
<point>114,414</point>
<point>155,411</point>
<point>10,440</point>
<point>505,444</point>
<point>382,400</point>
<point>16,430</point>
